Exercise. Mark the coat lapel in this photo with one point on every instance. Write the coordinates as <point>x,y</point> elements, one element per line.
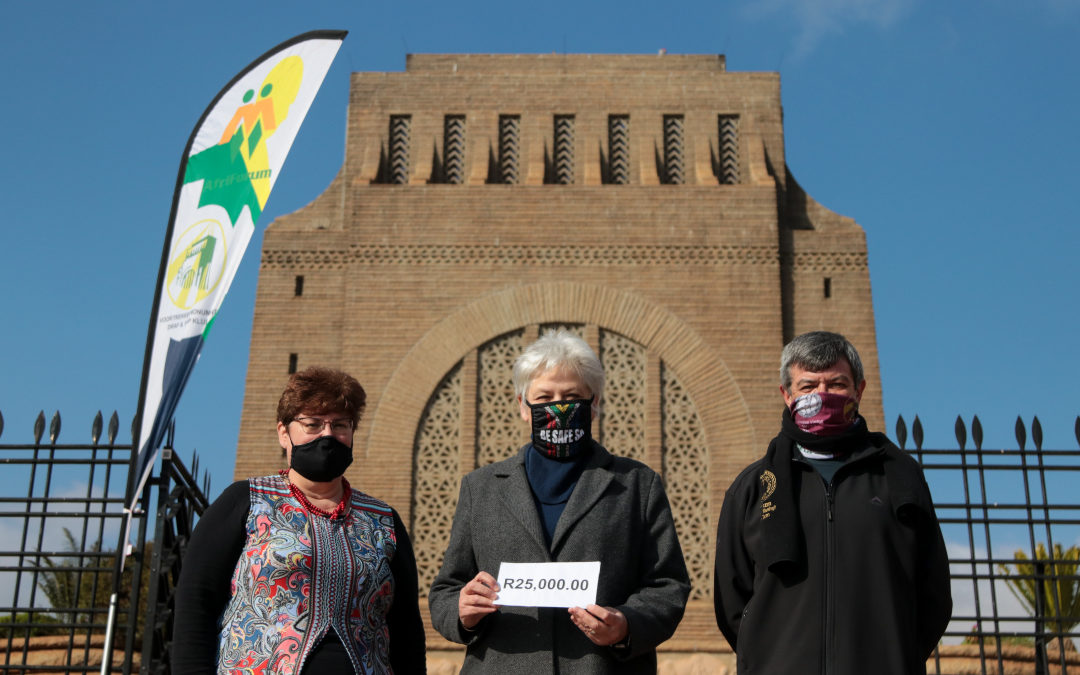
<point>516,495</point>
<point>590,488</point>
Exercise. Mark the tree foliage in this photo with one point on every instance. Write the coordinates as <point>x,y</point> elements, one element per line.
<point>1057,582</point>
<point>79,586</point>
<point>79,583</point>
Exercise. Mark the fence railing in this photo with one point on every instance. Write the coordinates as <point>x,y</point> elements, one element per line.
<point>1012,520</point>
<point>179,501</point>
<point>61,514</point>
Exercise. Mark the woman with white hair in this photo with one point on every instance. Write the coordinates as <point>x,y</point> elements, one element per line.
<point>562,498</point>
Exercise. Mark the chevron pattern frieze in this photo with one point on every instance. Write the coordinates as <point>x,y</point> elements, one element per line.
<point>674,163</point>
<point>619,149</point>
<point>564,149</point>
<point>509,148</point>
<point>729,149</point>
<point>454,149</point>
<point>399,149</point>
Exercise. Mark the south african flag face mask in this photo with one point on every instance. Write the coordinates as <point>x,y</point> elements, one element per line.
<point>562,429</point>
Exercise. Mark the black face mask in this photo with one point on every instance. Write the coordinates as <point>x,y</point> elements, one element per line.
<point>562,429</point>
<point>321,460</point>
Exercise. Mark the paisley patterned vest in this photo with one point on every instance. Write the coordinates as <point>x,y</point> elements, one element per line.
<point>301,575</point>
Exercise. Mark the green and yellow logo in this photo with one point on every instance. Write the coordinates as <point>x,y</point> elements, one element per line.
<point>236,172</point>
<point>196,263</point>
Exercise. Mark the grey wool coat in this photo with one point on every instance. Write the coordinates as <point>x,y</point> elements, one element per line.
<point>618,514</point>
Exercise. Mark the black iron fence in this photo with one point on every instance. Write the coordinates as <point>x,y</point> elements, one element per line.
<point>61,514</point>
<point>1011,519</point>
<point>179,501</point>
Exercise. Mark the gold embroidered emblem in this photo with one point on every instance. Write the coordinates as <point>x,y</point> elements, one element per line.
<point>768,483</point>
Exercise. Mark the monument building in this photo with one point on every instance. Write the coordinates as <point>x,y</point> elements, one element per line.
<point>643,201</point>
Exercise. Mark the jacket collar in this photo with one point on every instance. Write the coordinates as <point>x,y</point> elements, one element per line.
<point>518,498</point>
<point>779,504</point>
<point>590,488</point>
<point>872,448</point>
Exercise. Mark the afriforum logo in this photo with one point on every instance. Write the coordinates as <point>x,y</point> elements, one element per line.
<point>196,263</point>
<point>559,436</point>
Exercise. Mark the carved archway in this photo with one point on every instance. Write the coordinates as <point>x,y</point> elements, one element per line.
<point>692,376</point>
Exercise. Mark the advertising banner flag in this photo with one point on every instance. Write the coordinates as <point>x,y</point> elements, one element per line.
<point>232,159</point>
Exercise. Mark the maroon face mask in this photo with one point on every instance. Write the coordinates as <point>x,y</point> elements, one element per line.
<point>824,413</point>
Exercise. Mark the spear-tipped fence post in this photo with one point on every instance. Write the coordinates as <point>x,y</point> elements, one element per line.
<point>1042,665</point>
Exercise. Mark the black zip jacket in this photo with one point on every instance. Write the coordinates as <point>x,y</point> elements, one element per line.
<point>855,583</point>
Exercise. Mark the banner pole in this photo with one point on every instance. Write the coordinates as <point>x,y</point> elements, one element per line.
<point>233,172</point>
<point>136,428</point>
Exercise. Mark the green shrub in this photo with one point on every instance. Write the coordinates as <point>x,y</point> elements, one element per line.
<point>42,625</point>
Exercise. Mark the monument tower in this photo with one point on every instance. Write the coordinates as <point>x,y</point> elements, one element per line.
<point>642,201</point>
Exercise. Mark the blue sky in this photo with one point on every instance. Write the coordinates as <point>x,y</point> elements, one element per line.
<point>946,129</point>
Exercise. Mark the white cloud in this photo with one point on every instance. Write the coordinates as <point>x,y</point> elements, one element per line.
<point>817,20</point>
<point>1065,7</point>
<point>964,594</point>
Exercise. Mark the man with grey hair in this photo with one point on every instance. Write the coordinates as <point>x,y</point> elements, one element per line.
<point>829,557</point>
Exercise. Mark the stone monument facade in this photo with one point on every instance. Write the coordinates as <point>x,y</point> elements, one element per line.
<point>642,201</point>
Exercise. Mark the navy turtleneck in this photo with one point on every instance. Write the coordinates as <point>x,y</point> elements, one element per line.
<point>552,482</point>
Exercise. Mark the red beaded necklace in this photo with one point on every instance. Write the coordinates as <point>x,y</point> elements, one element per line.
<point>338,511</point>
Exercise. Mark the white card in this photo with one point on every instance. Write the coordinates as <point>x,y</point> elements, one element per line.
<point>556,584</point>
